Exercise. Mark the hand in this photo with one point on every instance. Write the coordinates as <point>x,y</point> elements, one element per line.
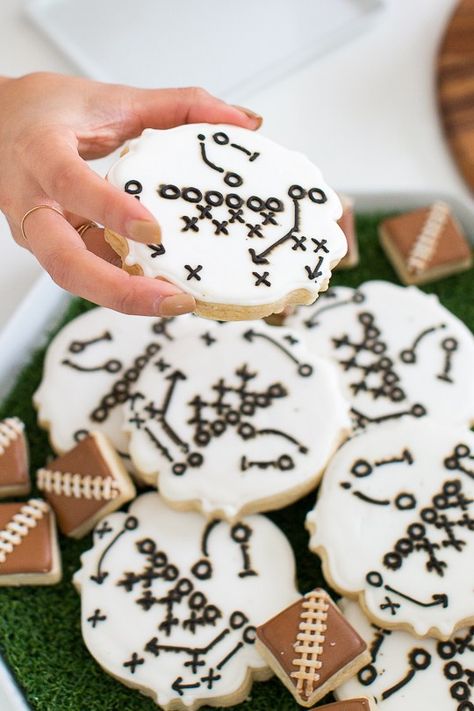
<point>49,126</point>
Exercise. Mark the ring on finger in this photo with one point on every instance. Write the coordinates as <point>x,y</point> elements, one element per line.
<point>82,229</point>
<point>33,209</point>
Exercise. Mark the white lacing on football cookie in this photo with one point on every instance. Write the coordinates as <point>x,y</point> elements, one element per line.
<point>20,525</point>
<point>426,242</point>
<point>10,429</point>
<point>310,641</point>
<point>77,486</point>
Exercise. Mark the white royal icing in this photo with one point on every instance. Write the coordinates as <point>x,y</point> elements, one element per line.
<point>77,486</point>
<point>206,248</point>
<point>398,350</point>
<point>395,523</point>
<point>90,367</point>
<point>181,597</point>
<point>410,674</point>
<point>426,242</point>
<point>236,418</point>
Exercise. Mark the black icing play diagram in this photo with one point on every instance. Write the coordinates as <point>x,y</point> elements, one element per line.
<point>244,208</point>
<point>248,419</point>
<point>191,610</point>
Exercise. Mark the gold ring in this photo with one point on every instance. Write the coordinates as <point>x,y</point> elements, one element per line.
<point>82,229</point>
<point>33,209</point>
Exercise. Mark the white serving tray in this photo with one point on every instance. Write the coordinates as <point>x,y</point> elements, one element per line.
<point>45,304</point>
<point>11,698</point>
<point>27,329</point>
<point>232,49</point>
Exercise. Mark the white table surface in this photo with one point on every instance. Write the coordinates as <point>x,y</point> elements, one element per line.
<point>366,112</point>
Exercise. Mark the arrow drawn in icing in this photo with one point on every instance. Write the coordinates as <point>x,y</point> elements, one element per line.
<point>262,257</point>
<point>304,369</point>
<point>131,523</point>
<point>437,598</point>
<point>314,273</point>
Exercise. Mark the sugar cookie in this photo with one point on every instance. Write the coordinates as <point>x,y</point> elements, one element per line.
<point>191,592</point>
<point>394,525</point>
<point>247,225</point>
<point>425,244</point>
<point>85,484</point>
<point>398,351</point>
<point>29,552</point>
<point>409,674</point>
<point>235,420</point>
<point>347,224</point>
<point>311,647</point>
<point>14,459</point>
<point>89,369</point>
<point>359,704</point>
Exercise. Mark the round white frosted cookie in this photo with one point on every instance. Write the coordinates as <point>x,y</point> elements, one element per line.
<point>233,420</point>
<point>247,225</point>
<point>394,525</point>
<point>408,674</point>
<point>90,368</point>
<point>398,351</point>
<point>191,592</point>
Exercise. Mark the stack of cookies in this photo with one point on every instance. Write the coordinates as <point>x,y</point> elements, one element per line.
<point>189,593</point>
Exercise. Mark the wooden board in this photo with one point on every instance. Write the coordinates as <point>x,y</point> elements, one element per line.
<point>455,83</point>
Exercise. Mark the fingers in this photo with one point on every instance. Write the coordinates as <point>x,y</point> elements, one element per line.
<point>166,108</point>
<point>69,181</point>
<point>16,233</point>
<point>63,254</point>
<point>95,242</point>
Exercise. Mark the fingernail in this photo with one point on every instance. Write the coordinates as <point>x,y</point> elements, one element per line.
<point>251,114</point>
<point>144,231</point>
<point>175,305</point>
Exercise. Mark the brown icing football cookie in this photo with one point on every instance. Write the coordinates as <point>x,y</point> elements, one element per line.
<point>85,484</point>
<point>311,647</point>
<point>14,460</point>
<point>425,244</point>
<point>347,224</point>
<point>361,704</point>
<point>29,553</point>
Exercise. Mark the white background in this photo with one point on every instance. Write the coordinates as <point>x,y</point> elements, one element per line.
<point>366,112</point>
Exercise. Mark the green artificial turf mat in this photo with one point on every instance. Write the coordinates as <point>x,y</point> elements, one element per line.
<point>40,629</point>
